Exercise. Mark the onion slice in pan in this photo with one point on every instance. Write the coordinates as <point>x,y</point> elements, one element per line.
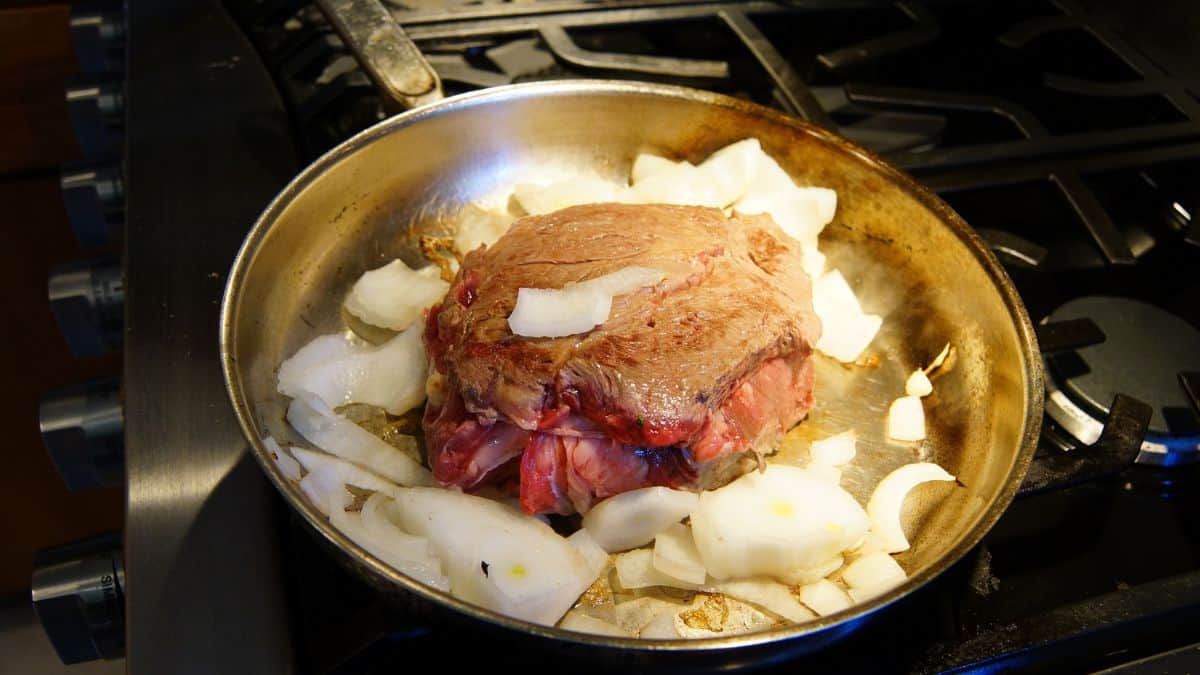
<point>871,575</point>
<point>328,477</point>
<point>335,434</point>
<point>381,538</point>
<point>341,370</point>
<point>393,296</point>
<point>634,518</point>
<point>287,464</point>
<point>495,555</point>
<point>888,499</point>
<point>575,308</point>
<point>775,522</point>
<point>906,419</point>
<point>766,593</point>
<point>675,554</point>
<point>836,449</point>
<point>824,597</point>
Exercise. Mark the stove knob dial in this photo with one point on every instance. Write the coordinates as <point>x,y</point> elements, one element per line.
<point>96,108</point>
<point>88,300</point>
<point>78,594</point>
<point>94,197</point>
<point>83,427</point>
<point>98,34</point>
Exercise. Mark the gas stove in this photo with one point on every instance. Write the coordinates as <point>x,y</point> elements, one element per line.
<point>1073,151</point>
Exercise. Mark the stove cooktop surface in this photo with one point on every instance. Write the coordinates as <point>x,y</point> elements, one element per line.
<point>1070,150</point>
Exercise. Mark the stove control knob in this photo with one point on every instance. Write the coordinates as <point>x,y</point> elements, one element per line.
<point>78,594</point>
<point>98,34</point>
<point>88,299</point>
<point>83,427</point>
<point>94,197</point>
<point>96,108</point>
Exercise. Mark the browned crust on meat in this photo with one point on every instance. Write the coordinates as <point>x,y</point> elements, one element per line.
<point>734,295</point>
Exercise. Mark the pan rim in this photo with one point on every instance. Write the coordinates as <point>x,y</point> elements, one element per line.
<point>1031,366</point>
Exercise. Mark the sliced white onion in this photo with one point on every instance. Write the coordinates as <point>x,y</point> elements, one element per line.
<point>635,569</point>
<point>774,522</point>
<point>731,170</point>
<point>836,449</point>
<point>634,518</point>
<point>918,384</point>
<point>497,556</point>
<point>661,627</point>
<point>646,165</point>
<point>683,184</point>
<point>676,556</point>
<point>635,615</point>
<point>325,490</point>
<point>288,466</point>
<point>405,553</point>
<point>846,330</point>
<point>801,212</point>
<point>808,575</point>
<point>871,575</point>
<point>870,544</point>
<point>576,620</point>
<point>812,260</point>
<point>308,370</point>
<point>572,191</point>
<point>766,593</point>
<point>888,499</point>
<point>393,296</point>
<point>375,517</point>
<point>575,308</point>
<point>341,369</point>
<point>341,471</point>
<point>479,227</point>
<point>596,557</point>
<point>335,434</point>
<point>861,595</point>
<point>906,419</point>
<point>824,597</point>
<point>771,178</point>
<point>874,570</point>
<point>549,312</point>
<point>825,472</point>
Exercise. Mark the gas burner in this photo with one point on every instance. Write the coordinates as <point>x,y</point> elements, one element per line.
<point>1146,355</point>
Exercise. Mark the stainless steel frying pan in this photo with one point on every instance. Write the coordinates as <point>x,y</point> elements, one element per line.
<point>908,255</point>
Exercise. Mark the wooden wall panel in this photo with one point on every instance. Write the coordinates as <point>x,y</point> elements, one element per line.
<point>36,60</point>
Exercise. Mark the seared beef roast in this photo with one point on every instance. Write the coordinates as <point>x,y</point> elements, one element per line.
<point>683,386</point>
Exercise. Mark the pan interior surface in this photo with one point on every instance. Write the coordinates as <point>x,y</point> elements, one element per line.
<point>906,254</point>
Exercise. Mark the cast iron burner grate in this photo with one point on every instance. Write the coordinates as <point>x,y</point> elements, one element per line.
<point>1009,82</point>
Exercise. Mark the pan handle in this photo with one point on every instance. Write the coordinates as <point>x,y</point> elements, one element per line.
<point>393,62</point>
